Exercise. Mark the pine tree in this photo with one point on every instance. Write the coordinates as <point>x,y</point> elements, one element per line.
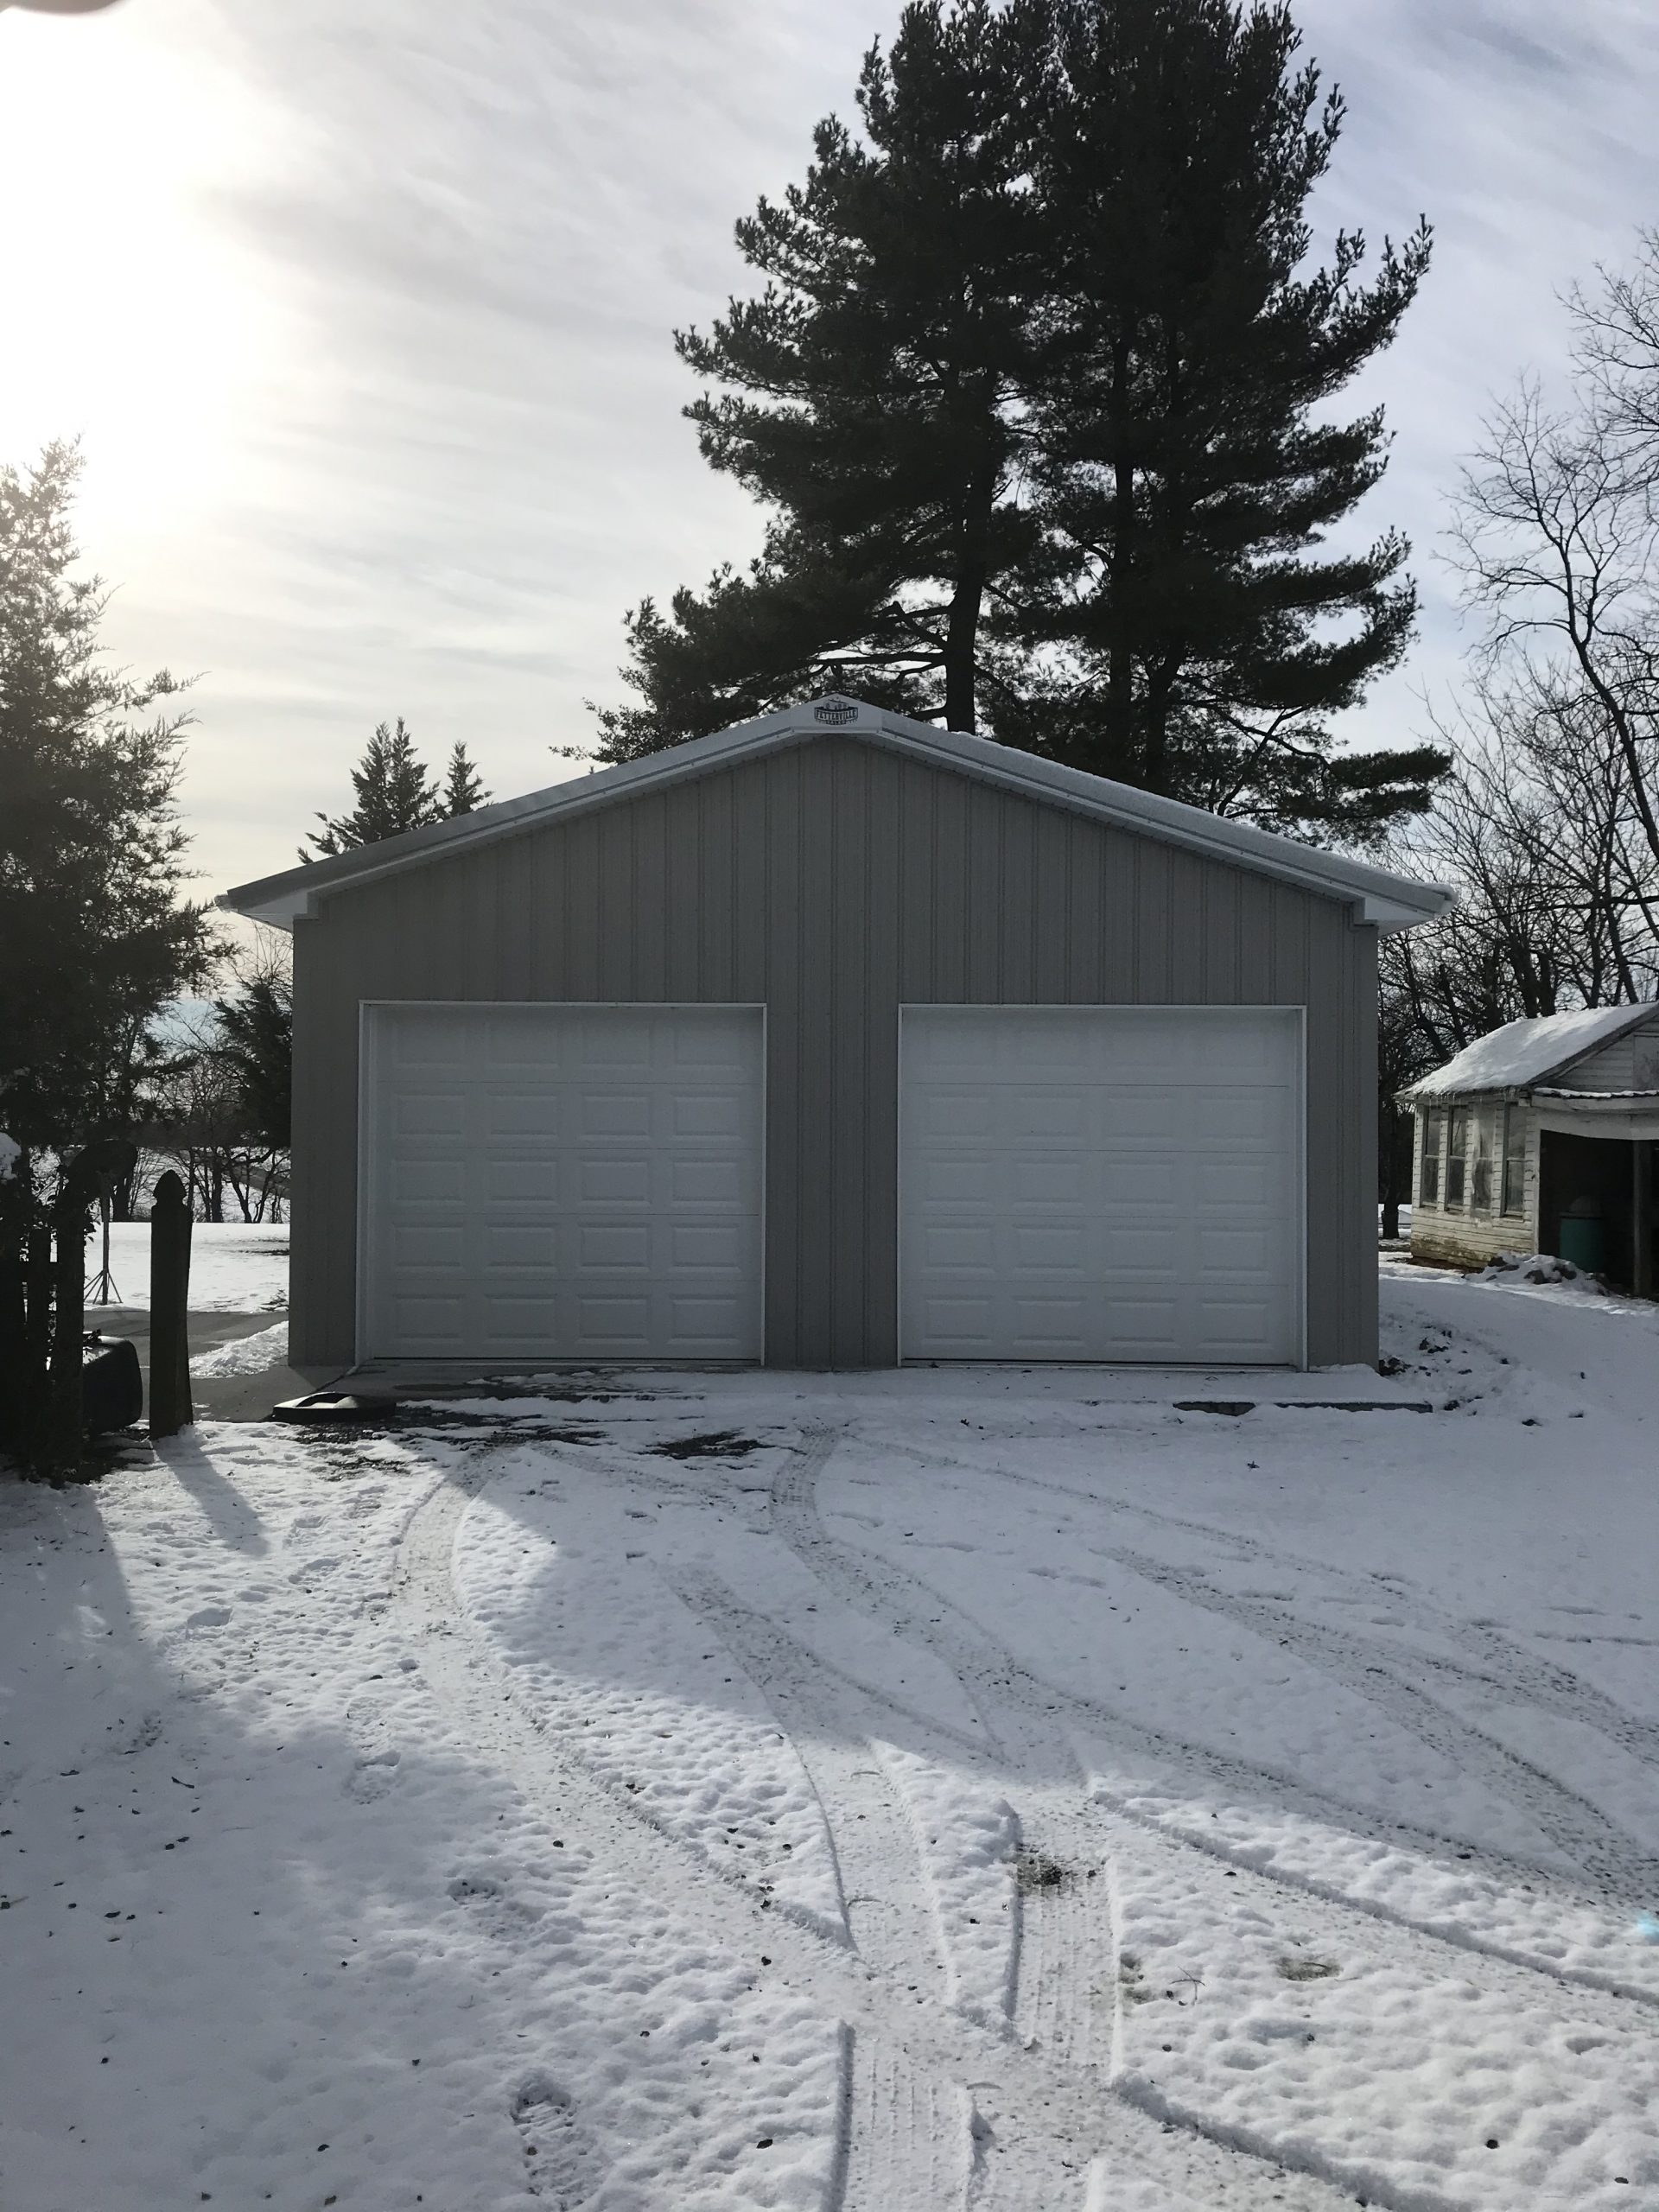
<point>1186,470</point>
<point>463,787</point>
<point>94,936</point>
<point>867,399</point>
<point>395,792</point>
<point>1037,394</point>
<point>254,1040</point>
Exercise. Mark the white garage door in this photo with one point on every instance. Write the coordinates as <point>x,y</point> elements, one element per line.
<point>1101,1184</point>
<point>546,1182</point>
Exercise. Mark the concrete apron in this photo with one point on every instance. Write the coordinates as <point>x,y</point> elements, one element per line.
<point>215,1397</point>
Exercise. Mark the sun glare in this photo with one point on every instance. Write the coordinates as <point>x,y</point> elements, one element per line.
<point>134,323</point>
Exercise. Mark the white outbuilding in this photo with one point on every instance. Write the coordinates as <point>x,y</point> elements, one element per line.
<point>1539,1137</point>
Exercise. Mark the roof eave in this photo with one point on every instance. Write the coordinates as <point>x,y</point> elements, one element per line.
<point>1385,902</point>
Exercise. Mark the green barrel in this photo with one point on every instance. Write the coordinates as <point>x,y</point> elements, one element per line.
<point>1584,1240</point>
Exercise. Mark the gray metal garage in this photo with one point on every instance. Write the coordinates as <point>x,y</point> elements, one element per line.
<point>833,1040</point>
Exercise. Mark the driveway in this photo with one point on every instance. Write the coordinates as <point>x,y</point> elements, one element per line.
<point>947,1790</point>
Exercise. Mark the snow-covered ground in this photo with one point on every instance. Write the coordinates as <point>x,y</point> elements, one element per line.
<point>250,1355</point>
<point>939,1793</point>
<point>235,1267</point>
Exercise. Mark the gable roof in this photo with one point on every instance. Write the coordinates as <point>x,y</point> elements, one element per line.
<point>1392,902</point>
<point>1525,1053</point>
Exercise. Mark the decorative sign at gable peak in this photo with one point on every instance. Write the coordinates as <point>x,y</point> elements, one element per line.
<point>837,710</point>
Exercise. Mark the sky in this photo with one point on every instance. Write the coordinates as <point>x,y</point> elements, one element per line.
<point>362,310</point>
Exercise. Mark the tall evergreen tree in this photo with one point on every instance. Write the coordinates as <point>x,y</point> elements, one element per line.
<point>94,935</point>
<point>1187,474</point>
<point>868,399</point>
<point>463,787</point>
<point>1036,393</point>
<point>395,792</point>
<point>254,1041</point>
<point>95,938</point>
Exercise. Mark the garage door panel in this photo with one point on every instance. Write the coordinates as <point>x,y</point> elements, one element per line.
<point>963,1116</point>
<point>963,1246</point>
<point>428,1114</point>
<point>616,1117</point>
<point>554,1182</point>
<point>1133,1184</point>
<point>1050,1247</point>
<point>1048,1182</point>
<point>1125,1186</point>
<point>1045,1117</point>
<point>714,1246</point>
<point>712,1183</point>
<point>518,1244</point>
<point>428,1182</point>
<point>705,1321</point>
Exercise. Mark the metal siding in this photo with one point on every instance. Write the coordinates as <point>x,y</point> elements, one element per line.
<point>788,1166</point>
<point>881,983</point>
<point>833,883</point>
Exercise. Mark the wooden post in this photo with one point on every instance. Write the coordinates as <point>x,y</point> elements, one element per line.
<point>1641,1218</point>
<point>68,1323</point>
<point>170,1299</point>
<point>14,1340</point>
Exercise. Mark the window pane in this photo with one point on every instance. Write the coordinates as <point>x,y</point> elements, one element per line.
<point>1482,1133</point>
<point>1515,1160</point>
<point>1428,1181</point>
<point>1457,1152</point>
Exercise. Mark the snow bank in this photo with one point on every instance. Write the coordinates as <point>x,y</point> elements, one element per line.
<point>253,1355</point>
<point>1537,1269</point>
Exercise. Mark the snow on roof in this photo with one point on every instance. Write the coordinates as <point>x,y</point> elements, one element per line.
<point>1523,1053</point>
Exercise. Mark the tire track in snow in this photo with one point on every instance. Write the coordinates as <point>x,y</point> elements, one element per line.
<point>908,2136</point>
<point>891,1907</point>
<point>1522,1676</point>
<point>1054,1968</point>
<point>1425,1941</point>
<point>1062,1950</point>
<point>1035,1709</point>
<point>1608,1872</point>
<point>1045,2101</point>
<point>1618,1866</point>
<point>898,2125</point>
<point>993,1675</point>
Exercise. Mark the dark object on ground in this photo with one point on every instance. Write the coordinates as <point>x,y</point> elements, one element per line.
<point>1235,1406</point>
<point>333,1406</point>
<point>170,1409</point>
<point>1357,1405</point>
<point>111,1384</point>
<point>718,1444</point>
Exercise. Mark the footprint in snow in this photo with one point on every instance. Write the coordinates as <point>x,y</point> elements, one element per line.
<point>562,2159</point>
<point>496,1912</point>
<point>138,1737</point>
<point>209,1617</point>
<point>375,1773</point>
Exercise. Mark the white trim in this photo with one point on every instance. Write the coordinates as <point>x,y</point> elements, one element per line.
<point>1299,1239</point>
<point>1385,901</point>
<point>370,1032</point>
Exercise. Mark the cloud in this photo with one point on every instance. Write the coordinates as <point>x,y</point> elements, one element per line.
<point>366,307</point>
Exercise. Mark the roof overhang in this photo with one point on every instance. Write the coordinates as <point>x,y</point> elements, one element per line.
<point>1629,1117</point>
<point>1386,902</point>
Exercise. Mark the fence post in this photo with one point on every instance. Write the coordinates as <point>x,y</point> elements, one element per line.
<point>170,1299</point>
<point>68,1321</point>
